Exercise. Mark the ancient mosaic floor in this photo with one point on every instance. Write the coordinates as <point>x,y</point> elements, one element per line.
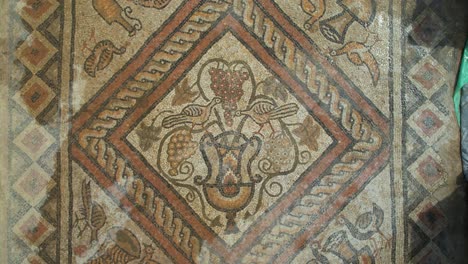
<point>230,131</point>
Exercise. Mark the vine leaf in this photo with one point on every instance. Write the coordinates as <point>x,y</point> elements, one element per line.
<point>216,222</point>
<point>147,134</point>
<point>183,94</point>
<point>273,87</point>
<point>308,133</point>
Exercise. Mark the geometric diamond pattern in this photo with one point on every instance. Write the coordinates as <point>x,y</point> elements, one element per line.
<point>428,122</point>
<point>428,29</point>
<point>33,229</point>
<point>34,140</point>
<point>34,96</point>
<point>428,76</point>
<point>35,52</point>
<point>428,171</point>
<point>429,217</point>
<point>431,254</point>
<point>33,259</point>
<point>33,184</point>
<point>36,11</point>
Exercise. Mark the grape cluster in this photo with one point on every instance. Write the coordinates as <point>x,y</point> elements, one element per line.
<point>180,148</point>
<point>227,84</point>
<point>278,151</point>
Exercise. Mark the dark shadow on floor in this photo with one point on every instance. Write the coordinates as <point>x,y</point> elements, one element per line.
<point>450,25</point>
<point>453,240</point>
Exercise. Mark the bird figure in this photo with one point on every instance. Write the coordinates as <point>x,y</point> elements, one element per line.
<point>120,246</point>
<point>360,55</point>
<point>366,224</point>
<point>91,212</point>
<point>194,114</point>
<point>339,245</point>
<point>263,112</point>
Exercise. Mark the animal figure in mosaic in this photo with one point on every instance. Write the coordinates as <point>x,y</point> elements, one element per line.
<point>194,114</point>
<point>263,112</point>
<point>359,54</point>
<point>120,246</point>
<point>111,12</point>
<point>100,57</point>
<point>339,245</point>
<point>364,228</point>
<point>367,227</point>
<point>366,224</point>
<point>314,8</point>
<point>91,212</point>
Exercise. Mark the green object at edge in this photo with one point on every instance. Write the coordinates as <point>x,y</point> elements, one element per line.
<point>462,80</point>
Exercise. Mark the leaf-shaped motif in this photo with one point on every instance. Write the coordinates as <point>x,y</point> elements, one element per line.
<point>183,94</point>
<point>274,88</point>
<point>308,133</point>
<point>216,222</point>
<point>147,135</point>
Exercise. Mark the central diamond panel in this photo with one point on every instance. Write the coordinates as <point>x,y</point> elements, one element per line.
<point>230,138</point>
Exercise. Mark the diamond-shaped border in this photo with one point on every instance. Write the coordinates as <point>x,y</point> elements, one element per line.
<point>20,101</point>
<point>413,215</point>
<point>33,213</point>
<point>32,21</point>
<point>118,138</point>
<point>438,83</point>
<point>430,247</point>
<point>33,259</point>
<point>35,35</point>
<point>412,122</point>
<point>425,13</point>
<point>34,125</point>
<point>413,168</point>
<point>34,199</point>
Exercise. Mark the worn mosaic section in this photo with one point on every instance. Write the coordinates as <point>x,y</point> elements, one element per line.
<point>431,52</point>
<point>230,131</point>
<point>33,109</point>
<point>229,143</point>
